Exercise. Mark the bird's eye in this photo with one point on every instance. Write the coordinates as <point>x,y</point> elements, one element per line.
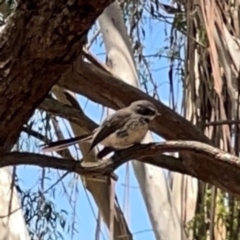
<point>146,111</point>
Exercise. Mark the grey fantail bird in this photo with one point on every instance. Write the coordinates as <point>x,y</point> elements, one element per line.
<point>125,127</point>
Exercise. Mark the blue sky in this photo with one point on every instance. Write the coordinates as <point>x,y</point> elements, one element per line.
<point>86,211</point>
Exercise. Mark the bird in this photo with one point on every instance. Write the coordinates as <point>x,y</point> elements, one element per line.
<point>122,129</point>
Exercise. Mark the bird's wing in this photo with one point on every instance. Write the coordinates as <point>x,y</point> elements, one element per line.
<point>62,144</point>
<point>110,125</point>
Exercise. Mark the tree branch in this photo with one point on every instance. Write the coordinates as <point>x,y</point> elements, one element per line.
<point>68,112</point>
<point>35,53</point>
<point>212,165</point>
<point>86,77</point>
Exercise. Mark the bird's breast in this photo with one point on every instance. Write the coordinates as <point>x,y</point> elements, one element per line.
<point>132,132</point>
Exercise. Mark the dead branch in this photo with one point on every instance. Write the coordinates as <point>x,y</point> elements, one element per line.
<point>212,164</point>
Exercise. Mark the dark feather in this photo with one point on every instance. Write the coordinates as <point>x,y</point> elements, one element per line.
<point>110,125</point>
<point>62,144</point>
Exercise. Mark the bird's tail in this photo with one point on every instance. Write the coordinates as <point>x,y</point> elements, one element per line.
<point>63,144</point>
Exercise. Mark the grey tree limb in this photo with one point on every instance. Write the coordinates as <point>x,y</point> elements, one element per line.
<point>212,165</point>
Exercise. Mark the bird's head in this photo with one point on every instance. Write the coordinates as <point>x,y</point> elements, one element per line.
<point>144,108</point>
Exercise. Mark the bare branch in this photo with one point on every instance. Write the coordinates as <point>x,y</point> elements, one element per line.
<point>68,112</point>
<point>223,122</point>
<point>212,165</point>
<point>35,134</point>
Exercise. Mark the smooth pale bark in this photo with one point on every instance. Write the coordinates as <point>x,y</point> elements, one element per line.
<point>185,188</point>
<point>153,185</point>
<point>12,223</point>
